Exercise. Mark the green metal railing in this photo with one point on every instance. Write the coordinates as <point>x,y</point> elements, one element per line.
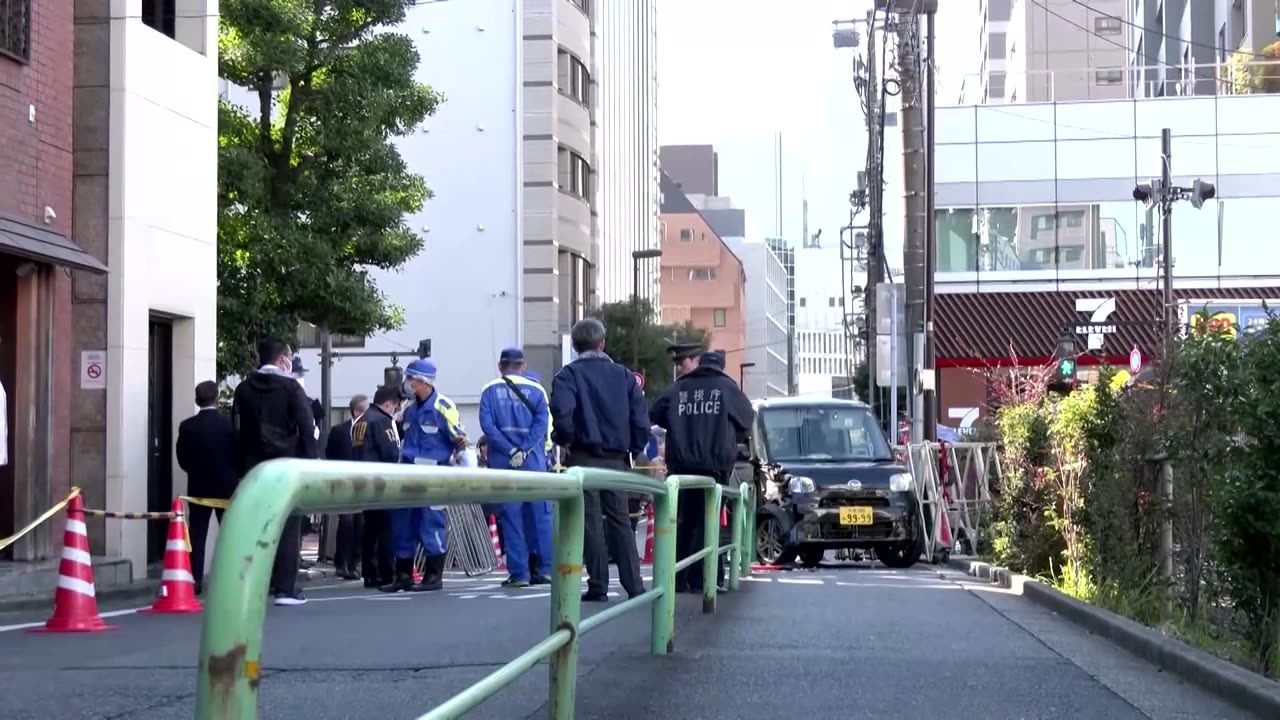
<point>231,641</point>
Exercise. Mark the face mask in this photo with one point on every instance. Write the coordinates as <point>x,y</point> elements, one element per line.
<point>406,389</point>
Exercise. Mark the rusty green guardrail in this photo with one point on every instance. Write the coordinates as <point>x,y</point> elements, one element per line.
<point>230,667</point>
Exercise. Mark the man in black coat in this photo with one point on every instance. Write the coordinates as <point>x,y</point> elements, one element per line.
<point>375,437</point>
<point>206,453</point>
<point>271,418</point>
<point>346,554</point>
<point>706,415</point>
<point>598,414</point>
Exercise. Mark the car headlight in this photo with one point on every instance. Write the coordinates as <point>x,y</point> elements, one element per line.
<point>800,485</point>
<point>900,482</point>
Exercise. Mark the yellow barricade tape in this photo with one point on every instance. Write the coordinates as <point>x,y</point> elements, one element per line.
<point>217,503</point>
<point>6,542</point>
<point>167,515</point>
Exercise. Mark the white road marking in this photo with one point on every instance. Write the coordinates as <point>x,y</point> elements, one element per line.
<point>790,581</point>
<point>523,597</point>
<point>113,613</point>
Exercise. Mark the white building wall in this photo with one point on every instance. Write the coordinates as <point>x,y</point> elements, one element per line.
<point>560,228</point>
<point>463,290</point>
<point>162,229</point>
<point>628,170</point>
<point>766,318</point>
<point>820,352</point>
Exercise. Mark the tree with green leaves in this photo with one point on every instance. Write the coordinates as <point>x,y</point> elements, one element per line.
<point>312,192</point>
<point>621,320</point>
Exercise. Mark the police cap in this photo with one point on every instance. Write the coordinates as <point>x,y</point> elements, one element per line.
<point>684,350</point>
<point>714,358</point>
<point>511,355</point>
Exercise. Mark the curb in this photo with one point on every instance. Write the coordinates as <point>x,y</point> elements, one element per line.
<point>141,589</point>
<point>1238,686</point>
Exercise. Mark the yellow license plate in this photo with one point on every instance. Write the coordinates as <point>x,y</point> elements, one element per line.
<point>856,516</point>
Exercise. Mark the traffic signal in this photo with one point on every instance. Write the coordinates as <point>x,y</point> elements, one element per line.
<point>1063,379</point>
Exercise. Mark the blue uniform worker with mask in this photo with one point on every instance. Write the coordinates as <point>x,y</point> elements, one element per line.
<point>515,419</point>
<point>432,434</point>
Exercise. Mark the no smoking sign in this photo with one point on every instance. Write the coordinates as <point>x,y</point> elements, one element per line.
<point>93,370</point>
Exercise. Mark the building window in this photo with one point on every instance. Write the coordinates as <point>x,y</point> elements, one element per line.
<point>701,274</point>
<point>15,29</point>
<point>575,288</point>
<point>831,302</point>
<point>996,46</point>
<point>802,302</point>
<point>686,235</point>
<point>583,5</point>
<point>574,174</point>
<point>1108,76</point>
<point>575,79</point>
<point>1106,25</point>
<point>160,15</point>
<point>718,317</point>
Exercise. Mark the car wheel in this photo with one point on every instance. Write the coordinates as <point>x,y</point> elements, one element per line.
<point>811,557</point>
<point>902,556</point>
<point>770,548</point>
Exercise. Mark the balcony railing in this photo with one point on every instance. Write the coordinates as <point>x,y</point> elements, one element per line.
<point>1243,75</point>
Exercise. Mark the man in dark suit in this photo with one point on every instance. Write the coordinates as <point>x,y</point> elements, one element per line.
<point>206,452</point>
<point>346,554</point>
<point>375,437</point>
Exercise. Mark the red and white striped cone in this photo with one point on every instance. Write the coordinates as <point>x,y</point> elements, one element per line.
<point>648,535</point>
<point>177,584</point>
<point>497,546</point>
<point>75,602</point>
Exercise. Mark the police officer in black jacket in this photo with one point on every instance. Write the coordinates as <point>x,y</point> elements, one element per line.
<point>598,415</point>
<point>706,415</point>
<point>376,438</point>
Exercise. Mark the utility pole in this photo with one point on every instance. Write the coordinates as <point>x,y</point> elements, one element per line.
<point>915,202</point>
<point>1166,230</point>
<point>1162,194</point>
<point>931,232</point>
<point>875,206</point>
<point>326,379</point>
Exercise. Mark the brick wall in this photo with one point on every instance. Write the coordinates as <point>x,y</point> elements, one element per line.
<point>36,155</point>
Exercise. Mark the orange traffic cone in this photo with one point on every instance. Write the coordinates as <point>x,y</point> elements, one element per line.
<point>497,546</point>
<point>648,535</point>
<point>177,585</point>
<point>75,602</point>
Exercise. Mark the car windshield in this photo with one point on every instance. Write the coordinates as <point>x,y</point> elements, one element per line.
<point>833,434</point>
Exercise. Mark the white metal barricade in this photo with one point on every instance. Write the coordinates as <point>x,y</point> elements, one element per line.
<point>955,479</point>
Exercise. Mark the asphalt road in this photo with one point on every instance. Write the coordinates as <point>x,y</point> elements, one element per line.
<point>845,641</point>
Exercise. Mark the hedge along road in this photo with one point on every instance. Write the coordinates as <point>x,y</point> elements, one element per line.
<point>917,643</point>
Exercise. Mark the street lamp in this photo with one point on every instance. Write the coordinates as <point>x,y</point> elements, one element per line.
<point>636,257</point>
<point>742,374</point>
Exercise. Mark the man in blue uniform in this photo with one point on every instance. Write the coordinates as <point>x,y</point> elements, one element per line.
<point>515,420</point>
<point>432,434</point>
<point>375,438</point>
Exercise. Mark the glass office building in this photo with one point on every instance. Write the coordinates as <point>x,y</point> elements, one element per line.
<point>1041,194</point>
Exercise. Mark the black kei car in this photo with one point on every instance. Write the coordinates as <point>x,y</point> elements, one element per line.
<point>827,480</point>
